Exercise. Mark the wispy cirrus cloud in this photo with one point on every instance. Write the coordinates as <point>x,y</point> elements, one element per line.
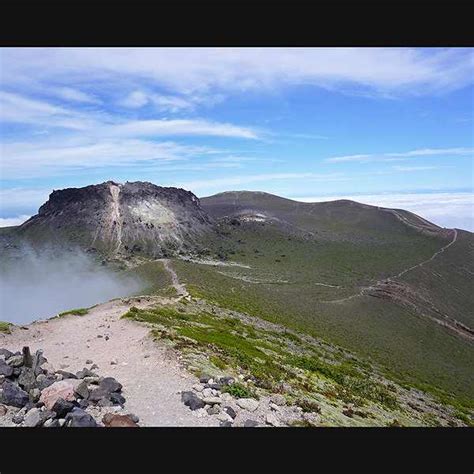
<point>365,158</point>
<point>186,71</point>
<point>19,109</point>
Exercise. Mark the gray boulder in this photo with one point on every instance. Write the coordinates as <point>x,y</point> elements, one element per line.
<point>5,369</point>
<point>15,360</point>
<point>5,353</point>
<point>13,395</point>
<point>62,407</point>
<point>110,385</point>
<point>27,379</point>
<point>191,400</point>
<point>78,418</point>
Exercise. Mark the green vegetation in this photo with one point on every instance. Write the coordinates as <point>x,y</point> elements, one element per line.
<point>323,378</point>
<point>76,312</point>
<point>5,327</point>
<point>238,390</point>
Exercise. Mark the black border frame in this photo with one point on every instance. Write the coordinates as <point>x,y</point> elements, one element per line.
<point>236,23</point>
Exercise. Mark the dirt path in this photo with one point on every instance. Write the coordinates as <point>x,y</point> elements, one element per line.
<point>151,376</point>
<point>178,286</point>
<point>441,250</point>
<point>403,272</point>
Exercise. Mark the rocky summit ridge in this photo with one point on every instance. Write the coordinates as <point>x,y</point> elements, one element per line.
<point>121,219</point>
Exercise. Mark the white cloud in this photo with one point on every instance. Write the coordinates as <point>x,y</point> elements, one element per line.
<point>75,95</point>
<point>11,221</point>
<point>383,71</point>
<point>447,209</point>
<point>19,109</point>
<point>179,127</point>
<point>48,158</point>
<point>364,158</point>
<point>165,103</point>
<point>241,181</point>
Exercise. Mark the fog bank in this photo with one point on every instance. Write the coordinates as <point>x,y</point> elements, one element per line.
<point>41,284</point>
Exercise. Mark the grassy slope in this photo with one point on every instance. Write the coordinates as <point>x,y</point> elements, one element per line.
<point>322,377</point>
<point>352,247</point>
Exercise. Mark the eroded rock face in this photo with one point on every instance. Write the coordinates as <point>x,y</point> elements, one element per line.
<point>125,219</point>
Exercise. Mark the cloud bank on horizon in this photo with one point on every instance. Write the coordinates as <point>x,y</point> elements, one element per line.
<point>392,124</point>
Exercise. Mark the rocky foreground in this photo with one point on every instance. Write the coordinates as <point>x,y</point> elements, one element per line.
<point>34,394</point>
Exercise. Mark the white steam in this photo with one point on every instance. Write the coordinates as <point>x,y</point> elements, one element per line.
<point>40,284</point>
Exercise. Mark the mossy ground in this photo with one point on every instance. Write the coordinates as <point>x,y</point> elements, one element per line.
<point>5,327</point>
<point>265,357</point>
<point>75,312</point>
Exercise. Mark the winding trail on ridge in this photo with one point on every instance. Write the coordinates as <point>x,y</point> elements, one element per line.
<point>403,272</point>
<point>177,285</point>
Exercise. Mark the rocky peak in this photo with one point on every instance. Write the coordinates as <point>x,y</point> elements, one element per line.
<point>133,217</point>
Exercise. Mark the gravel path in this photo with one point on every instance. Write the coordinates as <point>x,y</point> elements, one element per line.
<point>151,376</point>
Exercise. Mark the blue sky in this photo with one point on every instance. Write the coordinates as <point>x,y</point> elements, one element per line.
<point>388,126</point>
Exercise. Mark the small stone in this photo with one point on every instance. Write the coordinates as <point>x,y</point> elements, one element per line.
<point>6,354</point>
<point>117,398</point>
<point>207,392</point>
<point>82,390</point>
<point>78,418</point>
<point>94,366</point>
<point>66,375</point>
<point>15,360</point>
<point>212,400</point>
<point>226,424</point>
<point>274,407</point>
<point>248,404</point>
<point>35,394</point>
<point>134,417</point>
<point>52,424</point>
<point>32,418</point>
<point>48,368</point>
<point>107,338</point>
<point>230,411</point>
<point>191,400</point>
<point>110,385</point>
<point>251,423</point>
<point>62,422</point>
<point>114,362</point>
<point>226,380</point>
<point>146,356</point>
<point>5,369</point>
<point>214,410</point>
<point>198,387</point>
<point>3,410</point>
<point>27,379</point>
<point>204,379</point>
<point>226,397</point>
<point>99,336</point>
<point>278,399</point>
<point>62,407</point>
<point>85,373</point>
<point>272,420</point>
<point>222,416</point>
<point>118,421</point>
<point>13,395</point>
<point>105,402</point>
<point>88,362</point>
